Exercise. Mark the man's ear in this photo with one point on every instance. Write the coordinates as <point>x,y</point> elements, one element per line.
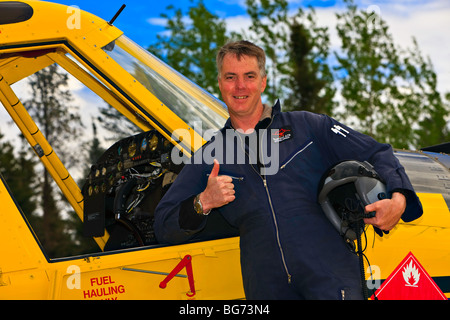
<point>219,82</point>
<point>264,84</point>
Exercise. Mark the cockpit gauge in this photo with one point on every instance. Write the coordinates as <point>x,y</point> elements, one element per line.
<point>132,148</point>
<point>153,143</point>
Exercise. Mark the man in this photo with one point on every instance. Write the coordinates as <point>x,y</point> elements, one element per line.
<point>289,250</point>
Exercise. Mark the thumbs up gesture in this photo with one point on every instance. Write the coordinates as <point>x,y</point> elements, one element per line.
<point>219,190</point>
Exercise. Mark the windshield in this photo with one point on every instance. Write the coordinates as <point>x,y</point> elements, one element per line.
<point>198,108</point>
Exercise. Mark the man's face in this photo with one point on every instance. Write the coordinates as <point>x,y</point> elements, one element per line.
<point>241,85</point>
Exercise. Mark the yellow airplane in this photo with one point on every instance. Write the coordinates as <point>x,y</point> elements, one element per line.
<point>116,202</point>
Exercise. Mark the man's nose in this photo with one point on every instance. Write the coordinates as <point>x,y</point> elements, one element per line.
<point>240,83</point>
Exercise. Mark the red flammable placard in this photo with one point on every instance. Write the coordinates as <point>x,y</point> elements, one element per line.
<point>409,281</point>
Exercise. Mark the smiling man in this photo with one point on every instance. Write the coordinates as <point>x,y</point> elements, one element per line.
<point>289,250</point>
<point>242,81</point>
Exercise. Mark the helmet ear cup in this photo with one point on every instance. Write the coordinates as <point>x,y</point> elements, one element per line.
<point>344,192</point>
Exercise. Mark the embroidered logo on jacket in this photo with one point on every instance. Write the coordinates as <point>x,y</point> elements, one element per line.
<point>282,134</point>
<point>339,130</point>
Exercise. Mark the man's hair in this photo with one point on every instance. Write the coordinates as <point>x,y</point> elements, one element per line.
<point>242,48</point>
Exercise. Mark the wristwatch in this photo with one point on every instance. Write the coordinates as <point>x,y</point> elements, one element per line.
<point>199,207</point>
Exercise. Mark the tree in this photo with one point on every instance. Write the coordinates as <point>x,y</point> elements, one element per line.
<point>270,30</point>
<point>116,123</point>
<point>387,92</point>
<point>311,79</point>
<point>95,150</point>
<point>79,243</point>
<point>19,174</point>
<point>432,126</point>
<point>192,45</point>
<point>60,124</point>
<point>297,51</point>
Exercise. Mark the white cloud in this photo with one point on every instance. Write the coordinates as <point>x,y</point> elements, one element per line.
<point>427,21</point>
<point>161,22</point>
<point>238,23</point>
<point>429,24</point>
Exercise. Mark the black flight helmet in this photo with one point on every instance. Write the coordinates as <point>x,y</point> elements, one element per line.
<point>344,192</point>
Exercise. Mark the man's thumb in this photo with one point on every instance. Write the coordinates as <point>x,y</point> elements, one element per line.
<point>215,170</point>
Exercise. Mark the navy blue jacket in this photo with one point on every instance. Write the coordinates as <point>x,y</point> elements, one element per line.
<point>287,244</point>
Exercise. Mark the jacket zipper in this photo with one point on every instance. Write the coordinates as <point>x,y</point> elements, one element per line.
<point>280,247</point>
<point>277,232</point>
<point>296,154</point>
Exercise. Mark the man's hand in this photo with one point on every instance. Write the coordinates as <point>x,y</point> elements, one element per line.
<point>219,190</point>
<point>388,212</point>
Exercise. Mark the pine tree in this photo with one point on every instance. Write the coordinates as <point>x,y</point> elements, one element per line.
<point>311,80</point>
<point>82,244</point>
<point>192,46</point>
<point>297,52</point>
<point>60,123</point>
<point>17,168</point>
<point>116,123</point>
<point>432,125</point>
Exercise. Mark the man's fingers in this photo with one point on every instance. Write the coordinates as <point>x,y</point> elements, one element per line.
<point>387,215</point>
<point>371,207</point>
<point>219,190</point>
<point>226,180</point>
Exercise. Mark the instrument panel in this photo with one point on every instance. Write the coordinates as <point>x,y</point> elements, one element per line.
<point>123,188</point>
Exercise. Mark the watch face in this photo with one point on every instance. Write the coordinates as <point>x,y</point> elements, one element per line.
<point>198,205</point>
<point>198,209</point>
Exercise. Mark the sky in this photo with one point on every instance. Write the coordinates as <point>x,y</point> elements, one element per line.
<point>427,20</point>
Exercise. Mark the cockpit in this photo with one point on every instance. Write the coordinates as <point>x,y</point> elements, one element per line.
<point>170,115</point>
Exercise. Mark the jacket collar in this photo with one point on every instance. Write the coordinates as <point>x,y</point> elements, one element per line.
<point>268,113</point>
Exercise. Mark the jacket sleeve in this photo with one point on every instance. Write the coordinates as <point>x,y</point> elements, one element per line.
<point>175,220</point>
<point>343,143</point>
